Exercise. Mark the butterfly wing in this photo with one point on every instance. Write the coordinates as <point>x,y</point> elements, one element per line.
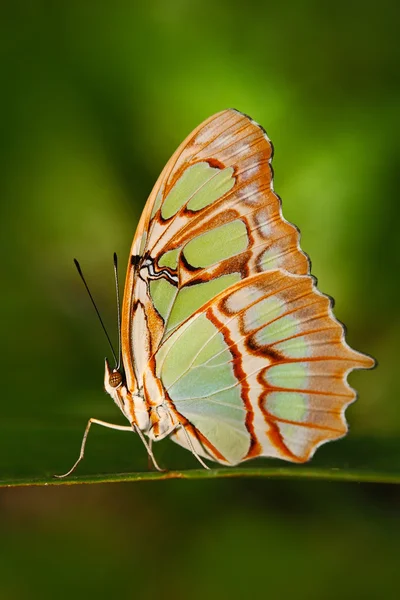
<point>211,220</point>
<point>261,369</point>
<point>213,224</point>
<point>220,174</point>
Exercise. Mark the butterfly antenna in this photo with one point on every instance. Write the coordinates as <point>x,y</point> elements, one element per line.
<point>78,268</point>
<point>118,309</point>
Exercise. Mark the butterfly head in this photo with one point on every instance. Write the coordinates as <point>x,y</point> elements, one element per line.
<point>114,382</point>
<point>132,405</point>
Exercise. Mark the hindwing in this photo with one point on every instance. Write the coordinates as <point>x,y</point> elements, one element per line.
<point>261,369</point>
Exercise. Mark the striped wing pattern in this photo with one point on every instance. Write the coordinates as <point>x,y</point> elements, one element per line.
<point>270,374</point>
<point>221,310</point>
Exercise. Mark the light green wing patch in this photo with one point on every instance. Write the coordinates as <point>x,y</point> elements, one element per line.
<point>157,203</point>
<point>221,182</point>
<point>207,394</point>
<point>284,327</point>
<point>198,186</point>
<point>192,297</point>
<point>288,375</point>
<point>258,314</point>
<point>170,259</point>
<point>163,295</point>
<point>200,343</point>
<point>217,244</point>
<point>292,406</point>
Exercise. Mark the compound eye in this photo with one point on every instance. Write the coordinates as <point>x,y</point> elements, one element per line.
<point>115,379</point>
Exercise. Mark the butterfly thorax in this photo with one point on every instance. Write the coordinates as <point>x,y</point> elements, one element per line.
<point>152,417</point>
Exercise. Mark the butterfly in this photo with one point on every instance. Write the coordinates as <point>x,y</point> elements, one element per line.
<point>228,347</point>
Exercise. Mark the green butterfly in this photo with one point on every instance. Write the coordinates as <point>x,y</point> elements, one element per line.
<point>227,345</point>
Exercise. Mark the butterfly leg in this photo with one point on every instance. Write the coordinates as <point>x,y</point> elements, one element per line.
<point>149,460</point>
<point>147,446</point>
<point>190,444</point>
<point>82,452</point>
<point>171,424</point>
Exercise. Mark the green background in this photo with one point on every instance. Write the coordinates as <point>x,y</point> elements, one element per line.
<point>95,97</point>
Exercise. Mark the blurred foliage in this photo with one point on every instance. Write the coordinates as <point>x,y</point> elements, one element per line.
<point>95,98</point>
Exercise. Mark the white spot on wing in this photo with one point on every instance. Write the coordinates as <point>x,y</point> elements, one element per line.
<point>262,312</point>
<point>249,194</point>
<point>204,136</point>
<point>226,139</point>
<point>244,149</point>
<point>251,172</point>
<point>242,297</point>
<point>278,330</point>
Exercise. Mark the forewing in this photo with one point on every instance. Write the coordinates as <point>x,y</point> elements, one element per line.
<point>217,206</point>
<point>261,370</point>
<point>212,220</point>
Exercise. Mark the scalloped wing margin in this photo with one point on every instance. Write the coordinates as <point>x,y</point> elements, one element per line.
<point>261,370</point>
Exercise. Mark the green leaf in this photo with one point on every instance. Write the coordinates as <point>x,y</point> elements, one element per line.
<point>271,473</point>
<point>33,454</point>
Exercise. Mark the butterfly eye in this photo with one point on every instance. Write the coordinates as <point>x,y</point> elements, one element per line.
<point>115,379</point>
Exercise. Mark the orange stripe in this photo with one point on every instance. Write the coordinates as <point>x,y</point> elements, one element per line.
<point>192,430</point>
<point>255,446</point>
<point>276,439</point>
<point>307,425</point>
